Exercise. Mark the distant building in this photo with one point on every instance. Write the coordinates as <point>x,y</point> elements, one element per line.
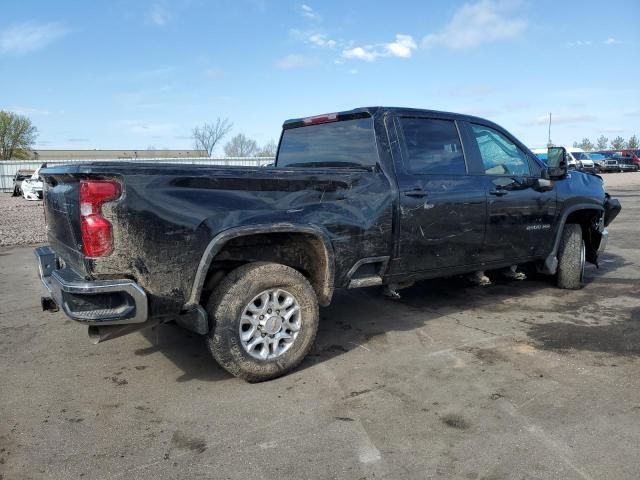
<point>111,154</point>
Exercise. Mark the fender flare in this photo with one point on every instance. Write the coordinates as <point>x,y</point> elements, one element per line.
<point>219,241</point>
<point>550,265</point>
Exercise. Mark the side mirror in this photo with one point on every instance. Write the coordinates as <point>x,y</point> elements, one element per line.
<point>557,162</point>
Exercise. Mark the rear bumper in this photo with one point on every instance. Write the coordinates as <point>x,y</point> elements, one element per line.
<point>98,302</point>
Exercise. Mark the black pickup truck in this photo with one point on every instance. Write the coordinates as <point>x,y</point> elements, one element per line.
<point>371,196</point>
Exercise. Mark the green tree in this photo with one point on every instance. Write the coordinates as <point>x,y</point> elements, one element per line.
<point>240,146</point>
<point>633,143</point>
<point>617,143</point>
<point>602,142</point>
<point>17,135</point>
<point>585,145</point>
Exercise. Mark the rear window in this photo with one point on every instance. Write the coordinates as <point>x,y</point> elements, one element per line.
<point>347,143</point>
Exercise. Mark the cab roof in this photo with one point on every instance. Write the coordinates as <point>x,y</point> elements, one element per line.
<point>364,112</point>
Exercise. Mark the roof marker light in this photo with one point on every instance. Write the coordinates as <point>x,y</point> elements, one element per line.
<point>325,118</point>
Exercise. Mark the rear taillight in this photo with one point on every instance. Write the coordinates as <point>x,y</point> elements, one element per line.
<point>97,239</point>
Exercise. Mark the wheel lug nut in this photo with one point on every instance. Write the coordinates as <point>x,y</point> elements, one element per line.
<point>261,317</point>
<point>269,311</point>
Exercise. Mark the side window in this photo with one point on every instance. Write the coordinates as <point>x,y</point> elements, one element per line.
<point>432,146</point>
<point>500,156</point>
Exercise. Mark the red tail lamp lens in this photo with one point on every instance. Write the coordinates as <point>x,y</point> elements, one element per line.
<point>97,239</point>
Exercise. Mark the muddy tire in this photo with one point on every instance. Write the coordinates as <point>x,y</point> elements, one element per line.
<point>571,258</point>
<point>264,319</point>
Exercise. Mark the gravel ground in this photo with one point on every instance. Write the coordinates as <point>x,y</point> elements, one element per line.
<point>21,221</point>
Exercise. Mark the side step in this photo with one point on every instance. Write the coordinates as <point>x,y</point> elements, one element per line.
<point>371,281</point>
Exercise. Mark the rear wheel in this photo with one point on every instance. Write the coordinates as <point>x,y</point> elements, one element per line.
<point>264,321</point>
<point>571,258</point>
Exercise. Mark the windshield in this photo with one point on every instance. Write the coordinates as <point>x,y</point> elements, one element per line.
<point>581,155</point>
<point>596,156</point>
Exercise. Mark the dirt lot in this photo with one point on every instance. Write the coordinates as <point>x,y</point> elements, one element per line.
<point>515,381</point>
<point>21,221</point>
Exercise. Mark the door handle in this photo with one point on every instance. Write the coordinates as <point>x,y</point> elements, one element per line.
<point>498,192</point>
<point>416,193</point>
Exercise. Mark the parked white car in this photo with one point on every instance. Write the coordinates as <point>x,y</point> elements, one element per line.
<point>580,157</point>
<point>32,187</point>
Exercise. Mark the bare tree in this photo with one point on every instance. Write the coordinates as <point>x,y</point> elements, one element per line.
<point>240,146</point>
<point>208,135</point>
<point>617,143</point>
<point>602,142</point>
<point>17,135</point>
<point>268,150</point>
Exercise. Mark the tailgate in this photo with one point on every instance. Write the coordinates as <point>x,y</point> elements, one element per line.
<point>62,211</point>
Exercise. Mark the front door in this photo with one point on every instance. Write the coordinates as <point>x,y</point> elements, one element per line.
<point>520,211</point>
<point>442,207</point>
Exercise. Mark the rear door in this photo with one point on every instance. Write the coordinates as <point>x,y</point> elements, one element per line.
<point>520,213</point>
<point>442,207</point>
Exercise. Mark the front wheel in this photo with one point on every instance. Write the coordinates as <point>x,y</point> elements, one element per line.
<point>571,258</point>
<point>264,321</point>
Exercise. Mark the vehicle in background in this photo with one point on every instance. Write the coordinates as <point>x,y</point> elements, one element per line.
<point>598,159</point>
<point>633,154</point>
<point>630,155</point>
<point>605,153</point>
<point>581,158</point>
<point>610,165</point>
<point>626,164</point>
<point>32,187</point>
<point>18,178</point>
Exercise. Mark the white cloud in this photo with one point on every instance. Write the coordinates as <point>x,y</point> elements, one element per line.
<point>579,43</point>
<point>474,24</point>
<point>29,37</point>
<point>158,16</point>
<point>309,12</point>
<point>610,41</point>
<point>295,61</point>
<point>361,53</point>
<point>613,130</point>
<point>353,71</point>
<point>321,40</point>
<point>561,119</point>
<point>402,47</point>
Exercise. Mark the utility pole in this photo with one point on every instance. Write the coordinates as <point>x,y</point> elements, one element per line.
<point>549,144</point>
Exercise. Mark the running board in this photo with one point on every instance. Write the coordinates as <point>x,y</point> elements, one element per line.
<point>371,281</point>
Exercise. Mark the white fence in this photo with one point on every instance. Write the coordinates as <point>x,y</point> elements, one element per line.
<point>9,168</point>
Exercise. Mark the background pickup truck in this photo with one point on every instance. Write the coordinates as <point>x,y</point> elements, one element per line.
<point>372,196</point>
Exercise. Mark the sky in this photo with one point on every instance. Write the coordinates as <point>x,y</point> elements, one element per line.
<point>140,74</point>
